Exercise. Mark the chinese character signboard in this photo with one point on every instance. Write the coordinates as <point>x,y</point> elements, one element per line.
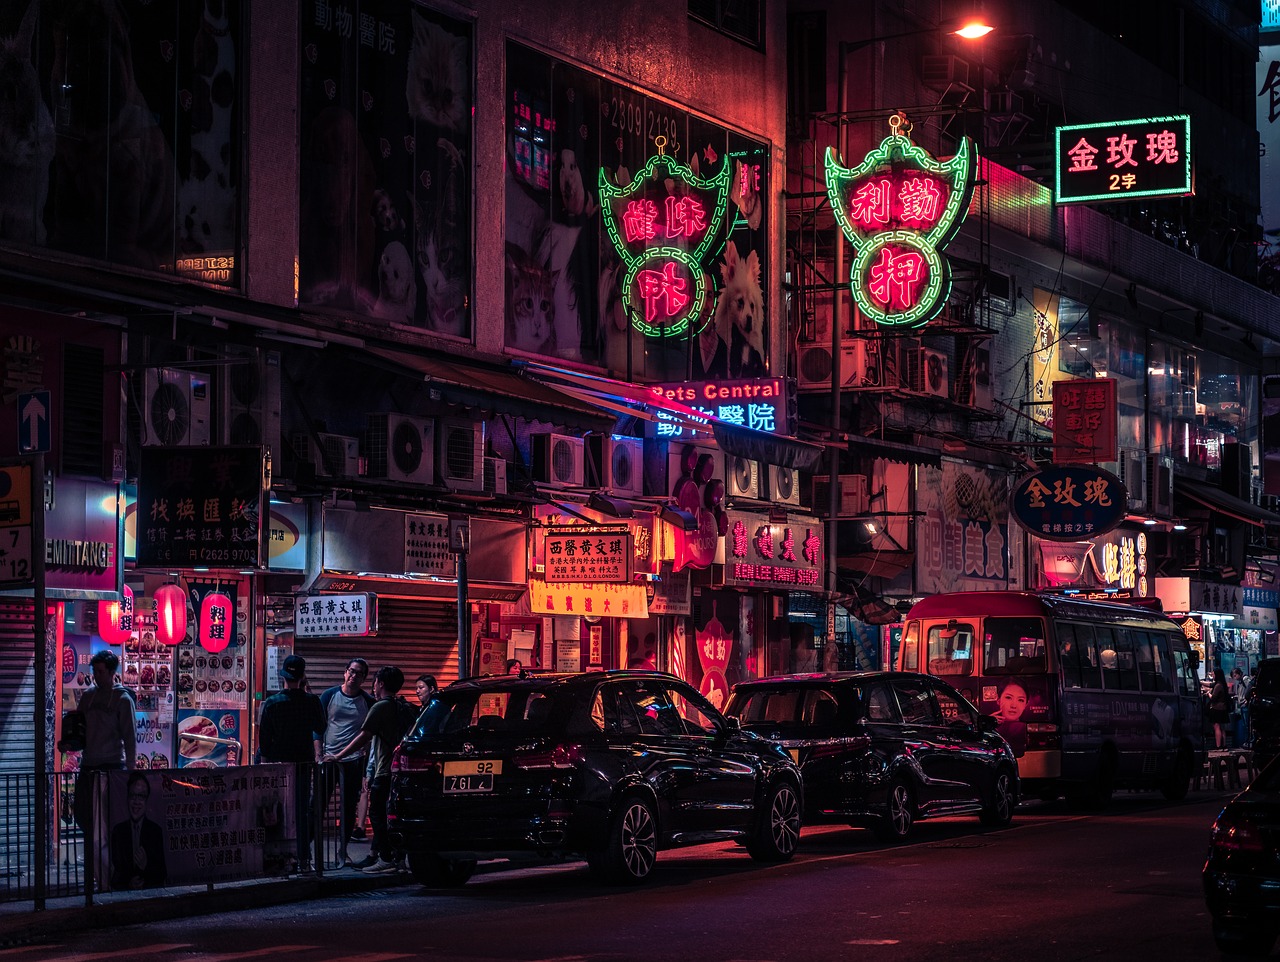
<point>589,554</point>
<point>1070,502</point>
<point>1183,595</point>
<point>1112,565</point>
<point>1123,159</point>
<point>898,209</point>
<point>786,555</point>
<point>200,507</point>
<point>757,403</point>
<point>962,530</point>
<point>601,600</point>
<point>1084,420</point>
<point>426,546</point>
<point>335,616</point>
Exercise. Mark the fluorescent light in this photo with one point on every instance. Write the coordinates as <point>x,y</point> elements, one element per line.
<point>974,30</point>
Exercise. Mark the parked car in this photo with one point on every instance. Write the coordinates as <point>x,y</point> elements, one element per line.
<point>1263,702</point>
<point>608,766</point>
<point>884,749</point>
<point>1241,874</point>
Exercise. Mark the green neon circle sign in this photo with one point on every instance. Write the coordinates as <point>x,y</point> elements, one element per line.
<point>660,261</point>
<point>925,303</point>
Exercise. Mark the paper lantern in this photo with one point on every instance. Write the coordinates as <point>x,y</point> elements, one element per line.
<point>171,614</point>
<point>115,618</point>
<point>217,617</point>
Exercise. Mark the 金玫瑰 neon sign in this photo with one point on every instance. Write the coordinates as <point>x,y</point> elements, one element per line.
<point>1123,159</point>
<point>664,224</point>
<point>899,208</point>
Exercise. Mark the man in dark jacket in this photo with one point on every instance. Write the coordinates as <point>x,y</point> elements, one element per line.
<point>345,707</point>
<point>291,724</point>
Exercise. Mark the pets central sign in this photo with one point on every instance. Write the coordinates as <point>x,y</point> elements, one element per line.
<point>756,403</point>
<point>664,223</point>
<point>899,208</point>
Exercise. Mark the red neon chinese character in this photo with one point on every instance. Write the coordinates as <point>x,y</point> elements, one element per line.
<point>1120,151</point>
<point>1082,155</point>
<point>739,540</point>
<point>869,205</point>
<point>894,279</point>
<point>637,222</point>
<point>1162,148</point>
<point>788,546</point>
<point>811,545</point>
<point>920,198</point>
<point>764,542</point>
<point>662,289</point>
<point>684,216</point>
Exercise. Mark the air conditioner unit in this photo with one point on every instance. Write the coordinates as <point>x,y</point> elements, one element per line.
<point>851,495</point>
<point>1131,468</point>
<point>685,460</point>
<point>557,460</point>
<point>784,485</point>
<point>249,391</point>
<point>460,454</point>
<point>615,464</point>
<point>402,448</point>
<point>859,366</point>
<point>741,477</point>
<point>940,72</point>
<point>1005,103</point>
<point>175,408</point>
<point>495,475</point>
<point>332,455</point>
<point>924,370</point>
<point>1160,485</point>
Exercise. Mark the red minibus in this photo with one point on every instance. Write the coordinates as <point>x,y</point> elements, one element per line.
<point>1090,695</point>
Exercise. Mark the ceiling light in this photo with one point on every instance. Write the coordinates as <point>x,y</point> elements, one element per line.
<point>1150,521</point>
<point>1179,526</point>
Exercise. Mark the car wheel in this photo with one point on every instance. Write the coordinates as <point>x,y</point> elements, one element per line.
<point>777,830</point>
<point>632,845</point>
<point>998,810</point>
<point>431,870</point>
<point>1179,783</point>
<point>896,825</point>
<point>1242,938</point>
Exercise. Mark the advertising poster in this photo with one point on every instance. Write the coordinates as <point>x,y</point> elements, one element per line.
<point>209,738</point>
<point>565,298</point>
<point>155,735</point>
<point>963,529</point>
<point>1015,703</point>
<point>166,829</point>
<point>716,629</point>
<point>385,217</point>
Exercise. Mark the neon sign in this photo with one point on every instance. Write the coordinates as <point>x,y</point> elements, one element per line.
<point>664,224</point>
<point>898,209</point>
<point>1123,159</point>
<point>756,403</point>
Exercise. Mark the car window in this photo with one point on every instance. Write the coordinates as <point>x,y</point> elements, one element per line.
<point>698,719</point>
<point>820,709</point>
<point>613,711</point>
<point>1087,656</point>
<point>916,702</point>
<point>768,705</point>
<point>953,707</point>
<point>1266,681</point>
<point>655,710</point>
<point>878,702</point>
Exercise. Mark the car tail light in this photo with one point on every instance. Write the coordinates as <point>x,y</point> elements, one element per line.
<point>1234,833</point>
<point>1042,736</point>
<point>563,755</point>
<point>403,762</point>
<point>825,747</point>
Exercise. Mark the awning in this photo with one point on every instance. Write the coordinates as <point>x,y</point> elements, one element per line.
<point>863,604</point>
<point>895,451</point>
<point>1218,500</point>
<point>501,389</point>
<point>886,564</point>
<point>427,590</point>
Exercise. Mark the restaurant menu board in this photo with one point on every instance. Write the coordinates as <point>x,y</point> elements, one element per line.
<point>155,731</point>
<point>216,680</point>
<point>146,665</point>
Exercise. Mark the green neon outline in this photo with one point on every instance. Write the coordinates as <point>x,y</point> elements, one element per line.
<point>930,301</point>
<point>1183,191</point>
<point>696,300</point>
<point>717,184</point>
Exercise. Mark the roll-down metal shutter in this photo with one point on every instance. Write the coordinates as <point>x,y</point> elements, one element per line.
<point>18,687</point>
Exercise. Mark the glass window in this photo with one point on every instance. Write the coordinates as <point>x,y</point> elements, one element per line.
<point>950,648</point>
<point>698,718</point>
<point>820,709</point>
<point>612,711</point>
<point>1188,683</point>
<point>916,703</point>
<point>1013,646</point>
<point>1088,658</point>
<point>879,703</point>
<point>1069,656</point>
<point>776,706</point>
<point>658,715</point>
<point>953,708</point>
<point>1152,673</point>
<point>910,656</point>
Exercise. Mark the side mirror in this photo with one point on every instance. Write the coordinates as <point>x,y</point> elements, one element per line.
<point>732,725</point>
<point>987,723</point>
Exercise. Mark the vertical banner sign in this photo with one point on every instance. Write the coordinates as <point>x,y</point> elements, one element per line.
<point>1084,420</point>
<point>1123,159</point>
<point>15,526</point>
<point>664,224</point>
<point>898,209</point>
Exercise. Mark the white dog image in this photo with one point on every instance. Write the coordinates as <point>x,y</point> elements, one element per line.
<point>397,287</point>
<point>740,311</point>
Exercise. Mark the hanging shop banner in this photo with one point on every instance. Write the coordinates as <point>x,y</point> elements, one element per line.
<point>1258,618</point>
<point>201,507</point>
<point>758,403</point>
<point>603,600</point>
<point>426,546</point>
<point>1202,597</point>
<point>1123,159</point>
<point>1084,420</point>
<point>671,593</point>
<point>170,828</point>
<point>962,530</point>
<point>599,554</point>
<point>336,616</point>
<point>899,208</point>
<point>762,553</point>
<point>1069,502</point>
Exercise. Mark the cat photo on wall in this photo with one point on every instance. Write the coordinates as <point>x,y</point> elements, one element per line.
<point>530,299</point>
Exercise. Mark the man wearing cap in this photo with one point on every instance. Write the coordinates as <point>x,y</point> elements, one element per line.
<point>289,727</point>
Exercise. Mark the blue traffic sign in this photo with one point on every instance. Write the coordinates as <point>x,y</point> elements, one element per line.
<point>35,411</point>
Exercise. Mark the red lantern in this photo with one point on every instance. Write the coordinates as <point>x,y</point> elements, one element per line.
<point>171,614</point>
<point>115,618</point>
<point>216,620</point>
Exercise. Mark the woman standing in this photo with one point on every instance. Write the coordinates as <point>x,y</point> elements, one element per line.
<point>1219,709</point>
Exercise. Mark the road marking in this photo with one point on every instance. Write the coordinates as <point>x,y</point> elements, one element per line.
<point>377,957</point>
<point>255,953</point>
<point>137,950</point>
<point>872,942</point>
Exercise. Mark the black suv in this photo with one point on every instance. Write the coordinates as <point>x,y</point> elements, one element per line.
<point>1263,701</point>
<point>884,748</point>
<point>607,766</point>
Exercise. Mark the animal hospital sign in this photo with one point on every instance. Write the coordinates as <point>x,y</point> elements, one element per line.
<point>756,403</point>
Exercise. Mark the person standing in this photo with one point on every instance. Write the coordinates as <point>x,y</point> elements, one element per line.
<point>111,740</point>
<point>345,707</point>
<point>289,727</point>
<point>1219,709</point>
<point>383,729</point>
<point>1240,693</point>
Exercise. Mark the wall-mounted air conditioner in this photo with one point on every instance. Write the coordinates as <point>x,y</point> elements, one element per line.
<point>557,459</point>
<point>175,408</point>
<point>249,392</point>
<point>495,476</point>
<point>784,485</point>
<point>615,463</point>
<point>851,495</point>
<point>939,72</point>
<point>741,477</point>
<point>401,447</point>
<point>460,454</point>
<point>926,372</point>
<point>332,455</point>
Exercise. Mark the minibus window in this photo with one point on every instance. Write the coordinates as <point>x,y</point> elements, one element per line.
<point>909,655</point>
<point>1087,654</point>
<point>1069,656</point>
<point>1151,676</point>
<point>1013,646</point>
<point>951,648</point>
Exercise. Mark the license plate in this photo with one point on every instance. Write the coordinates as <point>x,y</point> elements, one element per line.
<point>470,776</point>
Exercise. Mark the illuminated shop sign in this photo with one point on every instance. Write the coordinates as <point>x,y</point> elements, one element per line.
<point>1203,597</point>
<point>756,403</point>
<point>762,553</point>
<point>335,616</point>
<point>594,600</point>
<point>1069,502</point>
<point>664,225</point>
<point>1123,159</point>
<point>1111,566</point>
<point>898,209</point>
<point>1084,420</point>
<point>590,554</point>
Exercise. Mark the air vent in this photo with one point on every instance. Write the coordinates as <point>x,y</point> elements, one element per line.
<point>249,392</point>
<point>175,408</point>
<point>460,446</point>
<point>784,485</point>
<point>401,448</point>
<point>557,460</point>
<point>82,420</point>
<point>741,477</point>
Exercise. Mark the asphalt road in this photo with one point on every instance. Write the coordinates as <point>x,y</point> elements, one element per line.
<point>1056,885</point>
